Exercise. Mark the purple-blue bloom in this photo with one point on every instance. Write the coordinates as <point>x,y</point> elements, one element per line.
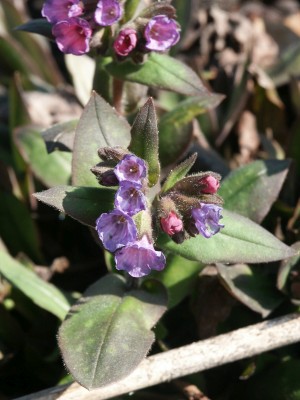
<point>107,12</point>
<point>139,258</point>
<point>161,33</point>
<point>73,36</point>
<point>131,168</point>
<point>59,10</point>
<point>129,198</point>
<point>207,218</point>
<point>115,229</point>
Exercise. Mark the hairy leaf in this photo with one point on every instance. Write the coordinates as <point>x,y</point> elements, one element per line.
<point>60,136</point>
<point>286,267</point>
<point>241,241</point>
<point>100,125</point>
<point>144,141</point>
<point>108,331</point>
<point>160,71</point>
<point>175,130</point>
<point>179,172</point>
<point>251,286</point>
<point>42,293</point>
<point>51,169</point>
<point>84,204</point>
<point>252,189</point>
<point>39,25</point>
<point>178,277</point>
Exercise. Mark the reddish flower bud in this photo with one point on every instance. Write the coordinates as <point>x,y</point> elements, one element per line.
<point>125,42</point>
<point>171,224</point>
<point>210,184</point>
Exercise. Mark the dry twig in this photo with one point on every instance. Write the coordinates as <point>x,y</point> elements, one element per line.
<point>199,356</point>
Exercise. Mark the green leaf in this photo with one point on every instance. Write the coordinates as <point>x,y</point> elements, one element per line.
<point>39,25</point>
<point>288,65</point>
<point>241,241</point>
<point>130,8</point>
<point>82,71</point>
<point>51,169</point>
<point>32,49</point>
<point>286,268</point>
<point>252,286</point>
<point>42,293</point>
<point>99,126</point>
<point>12,60</point>
<point>175,130</point>
<point>84,204</point>
<point>251,190</point>
<point>160,71</point>
<point>18,116</point>
<point>179,172</point>
<point>178,277</point>
<point>17,228</point>
<point>144,139</point>
<point>60,136</point>
<point>108,331</point>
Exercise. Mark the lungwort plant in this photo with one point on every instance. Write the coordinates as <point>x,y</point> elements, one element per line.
<point>158,219</point>
<point>142,217</point>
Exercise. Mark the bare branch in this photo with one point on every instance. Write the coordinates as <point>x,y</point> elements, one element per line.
<point>199,356</point>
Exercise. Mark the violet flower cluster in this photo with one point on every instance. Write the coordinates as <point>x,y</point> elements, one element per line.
<point>77,22</point>
<point>133,250</point>
<point>189,208</point>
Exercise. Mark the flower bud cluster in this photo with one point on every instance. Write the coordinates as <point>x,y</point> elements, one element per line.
<point>117,229</point>
<point>191,207</point>
<point>77,22</point>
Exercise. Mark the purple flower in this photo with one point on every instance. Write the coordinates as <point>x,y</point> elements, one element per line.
<point>161,33</point>
<point>131,168</point>
<point>207,218</point>
<point>125,42</point>
<point>59,10</point>
<point>107,12</point>
<point>115,229</point>
<point>139,258</point>
<point>130,199</point>
<point>72,36</point>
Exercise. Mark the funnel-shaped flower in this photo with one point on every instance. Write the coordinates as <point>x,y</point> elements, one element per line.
<point>59,10</point>
<point>206,218</point>
<point>108,12</point>
<point>161,33</point>
<point>125,42</point>
<point>115,229</point>
<point>73,36</point>
<point>139,258</point>
<point>130,199</point>
<point>131,168</point>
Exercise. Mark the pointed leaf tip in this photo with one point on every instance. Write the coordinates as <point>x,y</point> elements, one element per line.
<point>144,139</point>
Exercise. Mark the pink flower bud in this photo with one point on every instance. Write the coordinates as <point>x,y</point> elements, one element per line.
<point>171,224</point>
<point>210,184</point>
<point>125,42</point>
